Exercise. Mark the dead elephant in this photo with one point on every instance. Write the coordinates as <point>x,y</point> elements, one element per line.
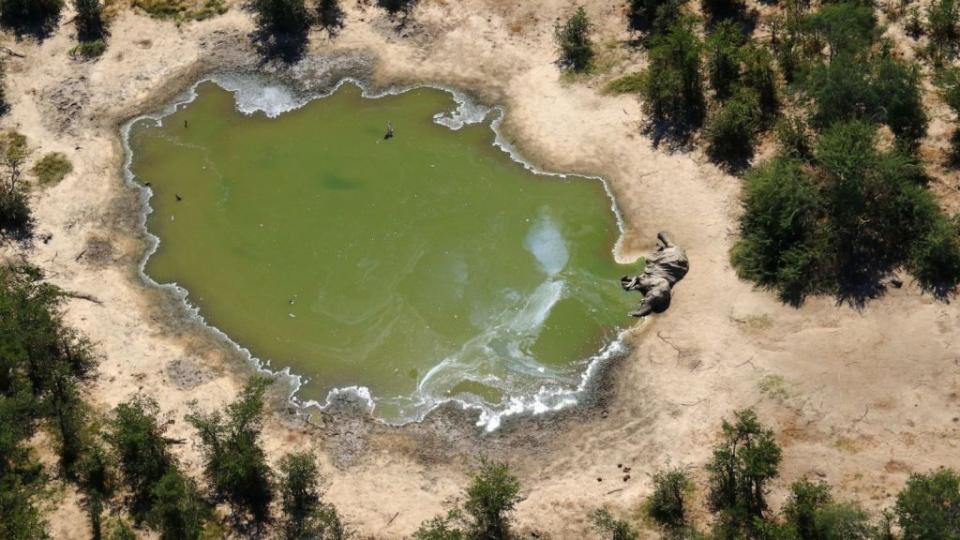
<point>665,267</point>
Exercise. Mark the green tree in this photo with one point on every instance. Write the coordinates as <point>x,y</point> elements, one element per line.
<point>89,20</point>
<point>234,462</point>
<point>20,518</point>
<point>610,527</point>
<point>732,129</point>
<point>178,512</point>
<point>760,77</point>
<point>667,505</point>
<point>38,17</point>
<point>846,27</point>
<point>929,506</point>
<point>723,59</point>
<point>136,434</point>
<point>15,217</point>
<point>573,39</point>
<point>673,89</point>
<point>743,464</point>
<point>943,27</point>
<point>800,511</point>
<point>655,16</point>
<point>97,483</point>
<point>305,516</point>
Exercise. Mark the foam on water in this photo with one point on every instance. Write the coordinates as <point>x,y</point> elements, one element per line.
<point>255,93</point>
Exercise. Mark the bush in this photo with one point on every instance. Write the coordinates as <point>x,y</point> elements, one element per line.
<point>88,50</point>
<point>760,76</point>
<point>573,39</point>
<point>52,168</point>
<point>793,138</point>
<point>935,257</point>
<point>929,506</point>
<point>178,512</point>
<point>781,243</point>
<point>953,154</point>
<point>883,90</point>
<point>15,217</point>
<point>731,130</point>
<point>943,27</point>
<point>673,92</point>
<point>667,504</point>
<point>806,499</point>
<point>305,514</point>
<point>136,434</point>
<point>847,28</point>
<point>723,59</point>
<point>38,17</point>
<point>234,462</point>
<point>612,528</point>
<point>743,463</point>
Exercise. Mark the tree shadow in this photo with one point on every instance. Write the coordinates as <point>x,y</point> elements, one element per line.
<point>330,17</point>
<point>24,27</point>
<point>288,47</point>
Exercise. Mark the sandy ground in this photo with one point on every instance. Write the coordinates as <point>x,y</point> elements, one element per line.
<point>860,398</point>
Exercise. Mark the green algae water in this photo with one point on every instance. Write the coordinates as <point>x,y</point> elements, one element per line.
<point>415,270</point>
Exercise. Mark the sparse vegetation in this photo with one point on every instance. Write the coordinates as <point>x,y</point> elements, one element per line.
<point>490,499</point>
<point>182,10</point>
<point>15,217</point>
<point>52,168</point>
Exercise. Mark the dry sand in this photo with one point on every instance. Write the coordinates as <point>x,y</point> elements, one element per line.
<point>858,397</point>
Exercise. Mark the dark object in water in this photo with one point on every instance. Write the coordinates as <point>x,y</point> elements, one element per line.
<point>665,267</point>
<point>185,124</point>
<point>177,195</point>
<point>389,134</point>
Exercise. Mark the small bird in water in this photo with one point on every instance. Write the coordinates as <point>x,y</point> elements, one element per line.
<point>177,195</point>
<point>389,134</point>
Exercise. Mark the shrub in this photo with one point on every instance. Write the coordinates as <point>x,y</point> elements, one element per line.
<point>15,217</point>
<point>87,50</point>
<point>673,92</point>
<point>52,168</point>
<point>935,257</point>
<point>760,76</point>
<point>178,512</point>
<point>846,27</point>
<point>181,10</point>
<point>305,514</point>
<point>883,90</point>
<point>37,17</point>
<point>953,154</point>
<point>743,463</point>
<point>781,243</point>
<point>136,434</point>
<point>573,39</point>
<point>723,60</point>
<point>667,504</point>
<point>943,27</point>
<point>929,506</point>
<point>731,130</point>
<point>234,462</point>
<point>800,510</point>
<point>793,138</point>
<point>612,528</point>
